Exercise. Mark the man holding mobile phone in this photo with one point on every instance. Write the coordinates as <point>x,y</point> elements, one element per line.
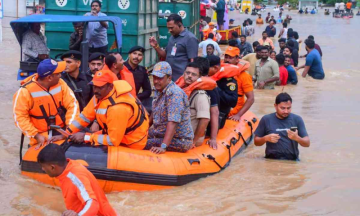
<point>282,131</point>
<point>96,32</point>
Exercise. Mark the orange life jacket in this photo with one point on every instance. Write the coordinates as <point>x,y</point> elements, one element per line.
<point>226,71</point>
<point>138,124</point>
<point>126,75</point>
<point>207,32</point>
<point>203,83</point>
<point>48,108</point>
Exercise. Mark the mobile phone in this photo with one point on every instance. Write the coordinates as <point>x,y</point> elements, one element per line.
<point>293,129</point>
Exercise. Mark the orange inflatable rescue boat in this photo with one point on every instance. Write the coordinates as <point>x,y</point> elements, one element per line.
<point>121,168</point>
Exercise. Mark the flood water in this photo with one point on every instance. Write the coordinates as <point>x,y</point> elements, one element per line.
<point>324,182</point>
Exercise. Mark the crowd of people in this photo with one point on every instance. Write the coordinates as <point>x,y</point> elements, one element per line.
<point>191,99</point>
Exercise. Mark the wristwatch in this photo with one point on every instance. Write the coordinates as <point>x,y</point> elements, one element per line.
<point>163,146</point>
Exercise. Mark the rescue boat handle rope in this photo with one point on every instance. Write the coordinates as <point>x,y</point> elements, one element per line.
<point>233,141</point>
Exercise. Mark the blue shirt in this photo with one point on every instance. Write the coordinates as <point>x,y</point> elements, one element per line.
<point>96,34</point>
<point>270,32</point>
<point>186,48</point>
<point>313,59</point>
<point>172,105</point>
<point>292,78</point>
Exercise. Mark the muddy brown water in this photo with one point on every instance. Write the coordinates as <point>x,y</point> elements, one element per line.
<point>324,182</point>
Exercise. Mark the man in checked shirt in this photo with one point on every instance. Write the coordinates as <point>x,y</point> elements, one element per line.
<point>34,44</point>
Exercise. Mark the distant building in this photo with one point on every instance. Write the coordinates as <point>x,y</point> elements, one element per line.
<point>308,4</point>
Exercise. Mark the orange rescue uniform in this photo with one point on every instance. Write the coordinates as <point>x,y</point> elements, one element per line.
<point>121,115</point>
<point>82,192</point>
<point>245,85</point>
<point>33,105</point>
<point>207,32</point>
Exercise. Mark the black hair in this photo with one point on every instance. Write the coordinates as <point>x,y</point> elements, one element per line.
<point>310,43</point>
<point>234,34</point>
<point>272,52</point>
<point>290,48</point>
<point>243,36</point>
<point>264,48</point>
<point>264,32</point>
<point>204,65</point>
<point>211,35</point>
<point>250,21</point>
<point>212,45</point>
<point>233,43</point>
<point>290,43</point>
<point>296,35</point>
<point>213,60</point>
<point>52,153</point>
<point>258,48</point>
<point>195,65</point>
<point>287,56</point>
<point>78,23</point>
<point>282,40</point>
<point>290,34</point>
<point>96,1</point>
<point>283,97</point>
<point>311,37</point>
<point>280,58</point>
<point>285,24</point>
<point>255,43</point>
<point>176,18</point>
<point>110,59</point>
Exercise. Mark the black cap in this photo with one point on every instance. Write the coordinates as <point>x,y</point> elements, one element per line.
<point>73,54</point>
<point>96,56</point>
<point>137,48</point>
<point>213,60</point>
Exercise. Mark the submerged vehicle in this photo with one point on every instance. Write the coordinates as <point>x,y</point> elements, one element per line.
<point>121,168</point>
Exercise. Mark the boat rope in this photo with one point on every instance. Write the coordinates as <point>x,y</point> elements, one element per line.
<point>21,147</point>
<point>213,159</point>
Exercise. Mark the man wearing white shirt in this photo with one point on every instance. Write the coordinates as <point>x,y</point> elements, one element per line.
<point>342,7</point>
<point>208,41</point>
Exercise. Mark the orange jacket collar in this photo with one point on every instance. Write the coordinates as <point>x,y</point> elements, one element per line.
<point>203,83</point>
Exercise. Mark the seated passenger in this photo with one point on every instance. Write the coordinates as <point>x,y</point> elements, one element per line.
<point>170,118</point>
<point>96,63</point>
<point>194,83</point>
<point>34,44</point>
<point>213,127</point>
<point>121,116</point>
<point>76,80</point>
<point>115,63</point>
<point>76,37</point>
<point>227,85</point>
<point>244,83</point>
<point>139,72</point>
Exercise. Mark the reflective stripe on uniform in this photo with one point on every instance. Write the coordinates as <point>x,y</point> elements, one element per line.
<point>101,111</point>
<point>55,90</point>
<point>84,118</point>
<point>86,207</point>
<point>76,181</point>
<point>77,125</point>
<point>100,139</point>
<point>44,93</point>
<point>109,141</point>
<point>75,107</point>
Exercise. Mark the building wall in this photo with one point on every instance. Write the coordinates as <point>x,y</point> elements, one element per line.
<point>12,10</point>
